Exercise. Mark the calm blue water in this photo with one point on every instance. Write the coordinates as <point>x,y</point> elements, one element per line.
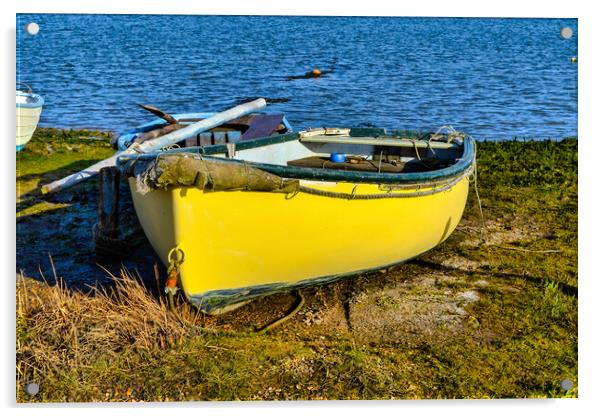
<point>492,78</point>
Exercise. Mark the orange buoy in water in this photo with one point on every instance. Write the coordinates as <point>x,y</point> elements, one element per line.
<point>316,72</point>
<point>574,59</point>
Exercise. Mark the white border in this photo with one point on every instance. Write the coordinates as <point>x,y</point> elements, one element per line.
<point>590,66</point>
<point>467,8</point>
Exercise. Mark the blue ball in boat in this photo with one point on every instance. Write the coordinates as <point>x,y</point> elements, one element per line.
<point>337,157</point>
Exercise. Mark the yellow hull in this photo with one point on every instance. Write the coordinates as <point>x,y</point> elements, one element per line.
<point>242,244</point>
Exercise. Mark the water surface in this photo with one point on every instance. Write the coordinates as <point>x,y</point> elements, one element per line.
<point>493,78</point>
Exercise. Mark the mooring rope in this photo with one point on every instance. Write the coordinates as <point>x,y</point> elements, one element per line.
<point>476,191</point>
<point>299,302</point>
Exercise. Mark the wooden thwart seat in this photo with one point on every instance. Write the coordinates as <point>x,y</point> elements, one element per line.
<point>375,141</point>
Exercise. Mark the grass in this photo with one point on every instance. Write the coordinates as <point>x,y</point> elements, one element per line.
<point>50,155</point>
<point>466,320</point>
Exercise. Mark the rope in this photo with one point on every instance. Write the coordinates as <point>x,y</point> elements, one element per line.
<point>451,134</point>
<point>299,302</point>
<point>416,150</point>
<point>389,194</point>
<point>476,191</point>
<point>418,153</point>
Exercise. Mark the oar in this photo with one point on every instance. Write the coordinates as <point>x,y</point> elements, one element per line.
<point>159,113</point>
<point>158,143</point>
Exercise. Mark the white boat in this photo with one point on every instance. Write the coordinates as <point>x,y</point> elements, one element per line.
<point>29,108</point>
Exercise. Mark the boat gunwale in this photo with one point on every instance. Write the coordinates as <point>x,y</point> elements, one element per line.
<point>461,166</point>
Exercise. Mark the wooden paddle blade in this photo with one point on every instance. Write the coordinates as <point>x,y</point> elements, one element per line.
<point>159,113</point>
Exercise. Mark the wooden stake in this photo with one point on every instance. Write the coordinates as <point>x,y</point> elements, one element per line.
<point>108,202</point>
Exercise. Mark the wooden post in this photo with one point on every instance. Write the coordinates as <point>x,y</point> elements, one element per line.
<point>108,202</point>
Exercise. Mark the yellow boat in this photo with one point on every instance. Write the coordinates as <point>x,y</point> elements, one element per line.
<point>238,221</point>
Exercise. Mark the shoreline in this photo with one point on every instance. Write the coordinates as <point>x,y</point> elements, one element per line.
<point>121,130</point>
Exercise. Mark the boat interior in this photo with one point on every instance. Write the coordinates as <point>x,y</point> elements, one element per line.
<point>362,149</point>
<point>342,149</point>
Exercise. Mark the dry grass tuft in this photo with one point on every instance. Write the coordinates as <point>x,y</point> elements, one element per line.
<point>59,328</point>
